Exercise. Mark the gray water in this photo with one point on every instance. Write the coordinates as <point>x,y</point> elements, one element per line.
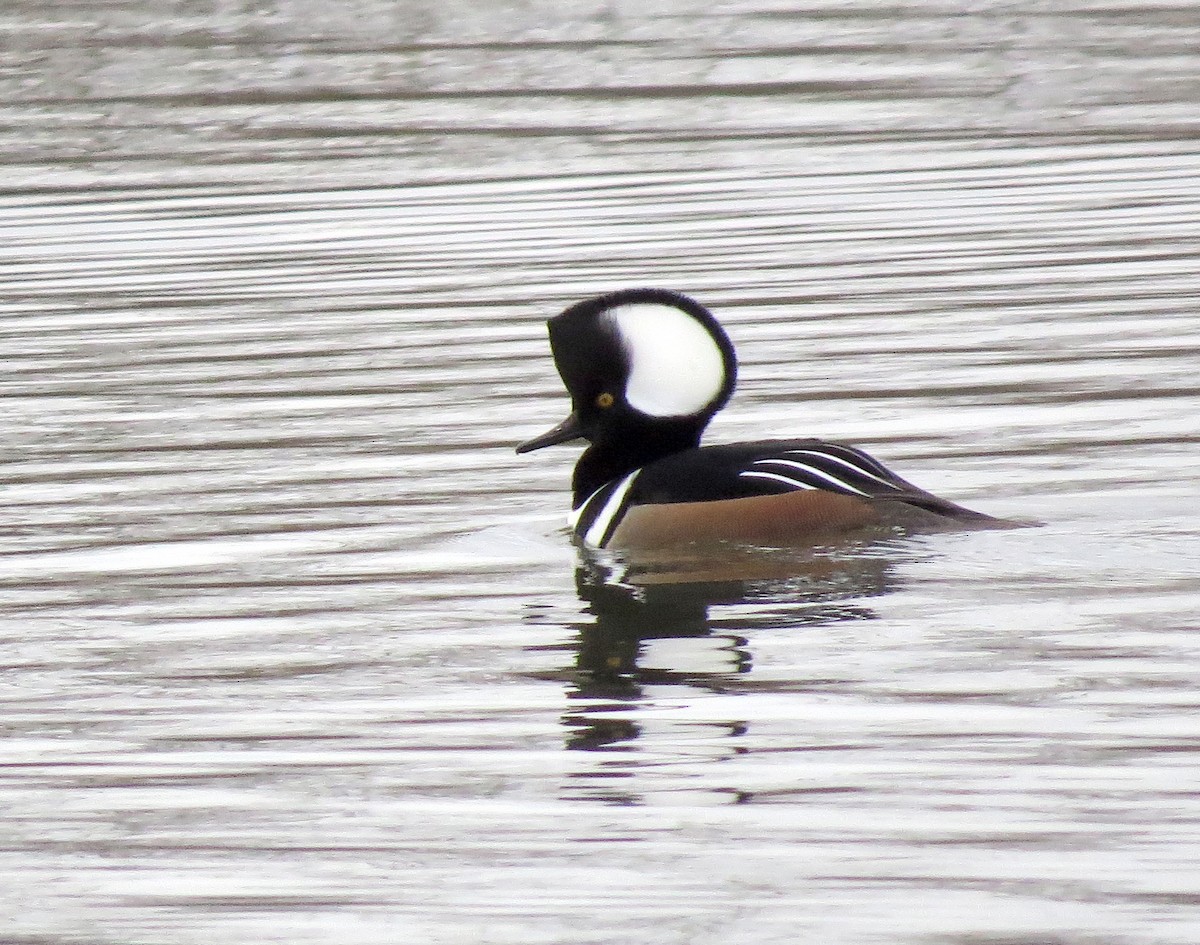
<point>295,649</point>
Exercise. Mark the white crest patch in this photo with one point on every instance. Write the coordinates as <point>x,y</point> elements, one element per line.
<point>676,368</point>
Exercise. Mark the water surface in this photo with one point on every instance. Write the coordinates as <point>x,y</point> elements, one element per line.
<point>295,648</point>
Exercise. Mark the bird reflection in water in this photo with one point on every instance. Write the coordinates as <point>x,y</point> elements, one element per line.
<point>632,607</point>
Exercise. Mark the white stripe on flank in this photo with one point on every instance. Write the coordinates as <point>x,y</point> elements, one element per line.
<point>596,534</point>
<point>837,459</point>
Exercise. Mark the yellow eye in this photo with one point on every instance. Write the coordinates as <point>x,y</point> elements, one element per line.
<point>605,400</point>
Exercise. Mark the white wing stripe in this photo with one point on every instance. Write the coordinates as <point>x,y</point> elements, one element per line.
<point>813,472</point>
<point>845,463</point>
<point>786,480</point>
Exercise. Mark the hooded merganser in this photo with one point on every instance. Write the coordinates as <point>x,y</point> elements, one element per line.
<point>647,369</point>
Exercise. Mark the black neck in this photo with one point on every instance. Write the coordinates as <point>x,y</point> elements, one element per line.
<point>611,457</point>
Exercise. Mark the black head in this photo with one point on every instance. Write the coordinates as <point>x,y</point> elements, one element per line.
<point>646,370</point>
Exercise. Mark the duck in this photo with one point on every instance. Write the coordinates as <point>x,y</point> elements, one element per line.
<point>646,371</point>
